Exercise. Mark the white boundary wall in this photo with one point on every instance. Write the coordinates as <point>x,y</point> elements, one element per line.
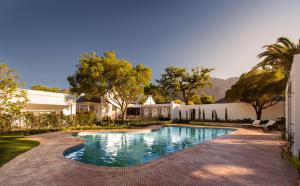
<point>293,104</point>
<point>234,111</point>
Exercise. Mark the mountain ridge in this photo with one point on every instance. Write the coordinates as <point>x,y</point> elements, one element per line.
<point>220,86</point>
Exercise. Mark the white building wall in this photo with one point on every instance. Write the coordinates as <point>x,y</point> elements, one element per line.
<point>293,104</point>
<point>41,101</point>
<point>234,111</point>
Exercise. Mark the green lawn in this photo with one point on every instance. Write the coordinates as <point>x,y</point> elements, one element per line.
<point>13,145</point>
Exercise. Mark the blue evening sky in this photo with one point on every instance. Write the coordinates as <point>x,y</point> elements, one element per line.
<point>43,39</point>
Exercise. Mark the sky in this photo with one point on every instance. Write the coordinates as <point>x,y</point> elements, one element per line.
<point>43,39</point>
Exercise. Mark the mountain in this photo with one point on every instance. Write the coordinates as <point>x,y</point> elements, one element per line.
<point>218,90</point>
<point>220,86</point>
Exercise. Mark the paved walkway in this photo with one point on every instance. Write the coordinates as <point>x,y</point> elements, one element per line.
<point>245,157</point>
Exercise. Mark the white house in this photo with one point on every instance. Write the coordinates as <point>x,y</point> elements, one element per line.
<point>149,101</point>
<point>293,105</point>
<point>41,101</point>
<point>98,105</point>
<point>149,109</point>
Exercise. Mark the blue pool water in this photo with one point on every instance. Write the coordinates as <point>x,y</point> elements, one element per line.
<point>123,149</point>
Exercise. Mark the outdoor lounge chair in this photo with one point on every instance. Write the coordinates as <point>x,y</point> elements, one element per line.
<point>269,124</point>
<point>256,123</point>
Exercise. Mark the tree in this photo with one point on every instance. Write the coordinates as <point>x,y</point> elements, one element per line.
<point>12,97</point>
<point>262,88</point>
<point>226,114</point>
<point>46,88</point>
<point>179,80</point>
<point>195,99</point>
<point>157,93</point>
<point>116,80</point>
<point>279,55</point>
<point>206,99</point>
<point>178,101</point>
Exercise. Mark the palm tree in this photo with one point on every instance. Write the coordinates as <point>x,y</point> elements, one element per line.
<point>279,55</point>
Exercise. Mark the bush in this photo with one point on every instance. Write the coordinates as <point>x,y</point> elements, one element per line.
<point>286,154</point>
<point>26,132</point>
<point>40,120</point>
<point>30,120</point>
<point>95,127</point>
<point>181,121</point>
<point>245,120</point>
<point>85,119</point>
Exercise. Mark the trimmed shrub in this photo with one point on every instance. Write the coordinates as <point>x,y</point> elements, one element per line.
<point>180,115</point>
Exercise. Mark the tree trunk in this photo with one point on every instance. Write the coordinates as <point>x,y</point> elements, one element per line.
<point>186,99</point>
<point>258,115</point>
<point>100,110</point>
<point>258,107</point>
<point>258,112</point>
<point>123,114</point>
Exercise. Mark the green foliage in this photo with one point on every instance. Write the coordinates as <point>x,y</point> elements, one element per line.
<point>180,117</point>
<point>95,127</point>
<point>12,97</point>
<point>46,88</point>
<point>51,120</point>
<point>116,80</point>
<point>286,154</point>
<point>158,94</point>
<point>143,99</point>
<point>199,113</point>
<point>35,123</point>
<point>206,99</point>
<point>195,99</point>
<point>226,114</point>
<point>214,115</point>
<point>279,55</point>
<point>203,99</point>
<point>261,88</point>
<point>27,132</point>
<point>85,119</point>
<point>180,81</point>
<point>178,101</point>
<point>38,121</point>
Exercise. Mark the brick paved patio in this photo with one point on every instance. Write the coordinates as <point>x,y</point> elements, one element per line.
<point>245,157</point>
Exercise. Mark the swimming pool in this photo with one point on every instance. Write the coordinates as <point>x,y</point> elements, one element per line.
<point>124,149</point>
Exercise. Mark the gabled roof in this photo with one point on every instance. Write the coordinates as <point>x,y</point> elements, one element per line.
<point>87,99</point>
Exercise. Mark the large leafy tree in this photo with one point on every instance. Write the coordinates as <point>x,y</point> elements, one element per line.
<point>12,97</point>
<point>180,81</point>
<point>262,88</point>
<point>279,55</point>
<point>206,99</point>
<point>203,99</point>
<point>158,94</point>
<point>114,79</point>
<point>46,88</point>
